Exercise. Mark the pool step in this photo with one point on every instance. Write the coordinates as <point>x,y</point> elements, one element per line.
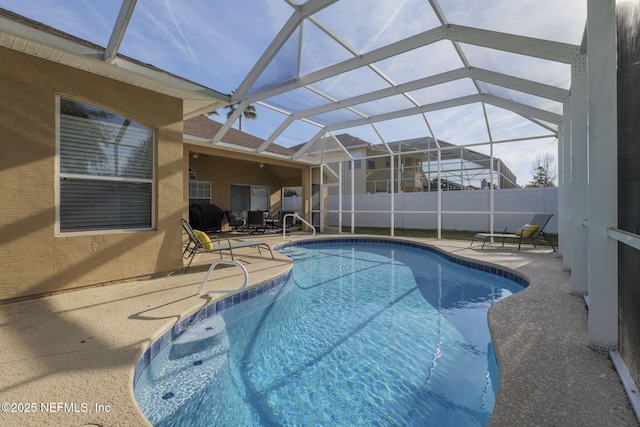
<point>297,252</point>
<point>195,357</point>
<point>198,339</point>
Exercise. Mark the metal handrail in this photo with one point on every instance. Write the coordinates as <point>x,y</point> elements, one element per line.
<point>295,215</point>
<point>222,291</point>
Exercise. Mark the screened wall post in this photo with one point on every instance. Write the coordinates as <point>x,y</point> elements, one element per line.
<point>393,204</point>
<point>321,196</point>
<point>603,173</point>
<point>579,176</point>
<point>439,192</point>
<point>340,194</point>
<point>353,200</point>
<point>564,195</point>
<point>491,170</point>
<point>399,178</point>
<point>461,168</point>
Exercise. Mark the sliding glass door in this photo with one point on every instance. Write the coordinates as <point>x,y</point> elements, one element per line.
<point>249,198</point>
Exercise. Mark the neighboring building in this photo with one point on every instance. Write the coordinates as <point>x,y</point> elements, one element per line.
<point>461,168</point>
<point>330,150</point>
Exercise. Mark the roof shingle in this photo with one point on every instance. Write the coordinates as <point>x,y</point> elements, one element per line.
<point>203,127</point>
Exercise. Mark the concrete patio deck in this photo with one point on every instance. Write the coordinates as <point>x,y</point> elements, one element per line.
<point>69,359</point>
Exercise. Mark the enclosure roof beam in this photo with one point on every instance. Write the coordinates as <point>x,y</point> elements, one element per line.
<point>117,34</point>
<point>300,14</point>
<point>309,144</point>
<point>510,82</point>
<point>542,90</point>
<point>524,110</point>
<point>553,51</point>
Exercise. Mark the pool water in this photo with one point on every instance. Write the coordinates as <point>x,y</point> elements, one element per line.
<point>360,335</point>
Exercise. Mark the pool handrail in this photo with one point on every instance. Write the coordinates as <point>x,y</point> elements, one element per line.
<point>295,216</point>
<point>222,291</point>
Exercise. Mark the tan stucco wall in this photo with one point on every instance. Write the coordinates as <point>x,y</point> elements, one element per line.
<point>224,168</point>
<point>223,172</point>
<point>33,260</point>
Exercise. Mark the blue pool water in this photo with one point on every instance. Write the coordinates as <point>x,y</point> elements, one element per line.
<point>360,335</point>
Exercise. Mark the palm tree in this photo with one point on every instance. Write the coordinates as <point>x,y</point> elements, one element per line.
<point>249,113</point>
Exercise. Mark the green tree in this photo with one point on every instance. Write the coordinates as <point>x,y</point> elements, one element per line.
<point>249,113</point>
<point>543,171</point>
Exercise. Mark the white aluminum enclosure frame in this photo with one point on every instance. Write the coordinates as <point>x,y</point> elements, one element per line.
<point>589,234</point>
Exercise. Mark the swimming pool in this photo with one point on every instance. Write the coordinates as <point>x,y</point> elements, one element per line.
<point>359,333</point>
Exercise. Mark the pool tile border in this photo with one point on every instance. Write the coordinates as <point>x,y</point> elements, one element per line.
<point>464,262</point>
<point>222,304</point>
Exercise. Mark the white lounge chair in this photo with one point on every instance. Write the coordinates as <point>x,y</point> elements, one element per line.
<point>531,231</point>
<point>200,242</point>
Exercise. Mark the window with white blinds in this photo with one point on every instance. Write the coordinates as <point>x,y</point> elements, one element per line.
<point>105,170</point>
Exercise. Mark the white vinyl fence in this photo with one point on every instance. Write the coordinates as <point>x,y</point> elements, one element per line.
<point>461,210</point>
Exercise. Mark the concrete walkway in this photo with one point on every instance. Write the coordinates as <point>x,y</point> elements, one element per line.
<point>69,359</point>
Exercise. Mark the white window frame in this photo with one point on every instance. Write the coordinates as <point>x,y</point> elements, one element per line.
<point>202,190</point>
<point>59,176</point>
<point>357,160</point>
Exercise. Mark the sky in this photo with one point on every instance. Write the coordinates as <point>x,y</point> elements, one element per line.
<point>217,42</point>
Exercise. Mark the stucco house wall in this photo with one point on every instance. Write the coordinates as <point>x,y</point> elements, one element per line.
<point>33,259</point>
<point>223,172</point>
